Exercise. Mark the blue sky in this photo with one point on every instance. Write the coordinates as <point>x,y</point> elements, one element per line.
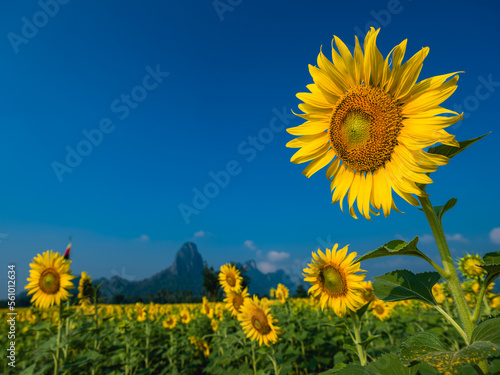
<point>173,93</point>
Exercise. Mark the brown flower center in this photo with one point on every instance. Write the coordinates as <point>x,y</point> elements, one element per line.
<point>237,302</point>
<point>50,281</point>
<point>333,281</point>
<point>230,280</point>
<point>364,127</point>
<point>379,309</point>
<point>260,323</point>
<point>368,295</point>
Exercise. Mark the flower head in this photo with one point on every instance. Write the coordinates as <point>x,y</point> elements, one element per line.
<point>469,266</point>
<point>85,289</point>
<point>234,301</point>
<point>257,322</point>
<point>334,280</point>
<point>370,121</point>
<point>229,278</point>
<point>50,280</point>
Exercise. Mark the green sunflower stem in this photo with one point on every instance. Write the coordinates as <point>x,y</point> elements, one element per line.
<point>453,323</point>
<point>356,324</point>
<point>449,266</point>
<point>254,362</point>
<point>479,304</point>
<point>58,342</point>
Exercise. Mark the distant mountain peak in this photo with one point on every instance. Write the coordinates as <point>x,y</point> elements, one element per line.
<point>187,260</point>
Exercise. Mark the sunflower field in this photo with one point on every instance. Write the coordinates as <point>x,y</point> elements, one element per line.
<point>369,120</point>
<point>209,338</point>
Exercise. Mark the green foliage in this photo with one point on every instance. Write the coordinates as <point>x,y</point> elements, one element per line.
<point>427,348</point>
<point>451,151</point>
<point>402,284</point>
<point>440,210</point>
<point>395,247</point>
<point>492,266</point>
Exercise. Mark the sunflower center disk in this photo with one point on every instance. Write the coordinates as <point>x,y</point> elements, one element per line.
<point>332,281</point>
<point>259,322</point>
<point>237,302</point>
<point>230,280</point>
<point>49,281</point>
<point>364,128</point>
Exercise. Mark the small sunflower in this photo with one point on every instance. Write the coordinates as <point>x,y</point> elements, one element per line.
<point>257,322</point>
<point>229,278</point>
<point>438,293</point>
<point>85,289</point>
<point>234,301</point>
<point>282,293</point>
<point>206,309</point>
<point>200,344</point>
<point>50,280</point>
<point>371,122</point>
<point>333,279</point>
<point>381,310</point>
<point>495,302</point>
<point>185,316</point>
<point>214,323</point>
<point>170,322</point>
<point>469,266</point>
<point>367,293</point>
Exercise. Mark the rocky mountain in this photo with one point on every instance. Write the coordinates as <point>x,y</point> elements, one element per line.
<point>185,275</point>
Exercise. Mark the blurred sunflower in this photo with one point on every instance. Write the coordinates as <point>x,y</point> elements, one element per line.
<point>373,121</point>
<point>214,323</point>
<point>85,289</point>
<point>50,280</point>
<point>170,322</point>
<point>200,344</point>
<point>438,293</point>
<point>206,309</point>
<point>257,322</point>
<point>469,266</point>
<point>234,301</point>
<point>229,278</point>
<point>185,316</point>
<point>381,310</point>
<point>367,293</point>
<point>334,280</point>
<point>282,293</point>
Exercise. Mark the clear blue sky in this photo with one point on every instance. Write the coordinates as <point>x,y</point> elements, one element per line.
<point>178,91</point>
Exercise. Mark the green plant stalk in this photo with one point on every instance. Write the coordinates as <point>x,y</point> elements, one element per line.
<point>449,267</point>
<point>58,341</point>
<point>147,345</point>
<point>356,326</point>
<point>254,363</point>
<point>275,364</point>
<point>479,304</point>
<point>453,323</point>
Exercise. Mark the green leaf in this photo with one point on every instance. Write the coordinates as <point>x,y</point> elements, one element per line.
<point>395,247</point>
<point>440,210</point>
<point>451,151</point>
<point>354,369</point>
<point>419,345</point>
<point>487,331</point>
<point>492,266</point>
<point>362,310</point>
<point>28,370</point>
<point>426,348</point>
<point>402,284</point>
<point>390,364</point>
<point>367,342</point>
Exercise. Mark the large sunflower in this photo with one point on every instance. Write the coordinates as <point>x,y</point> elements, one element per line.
<point>334,280</point>
<point>373,121</point>
<point>229,278</point>
<point>257,321</point>
<point>234,301</point>
<point>50,280</point>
